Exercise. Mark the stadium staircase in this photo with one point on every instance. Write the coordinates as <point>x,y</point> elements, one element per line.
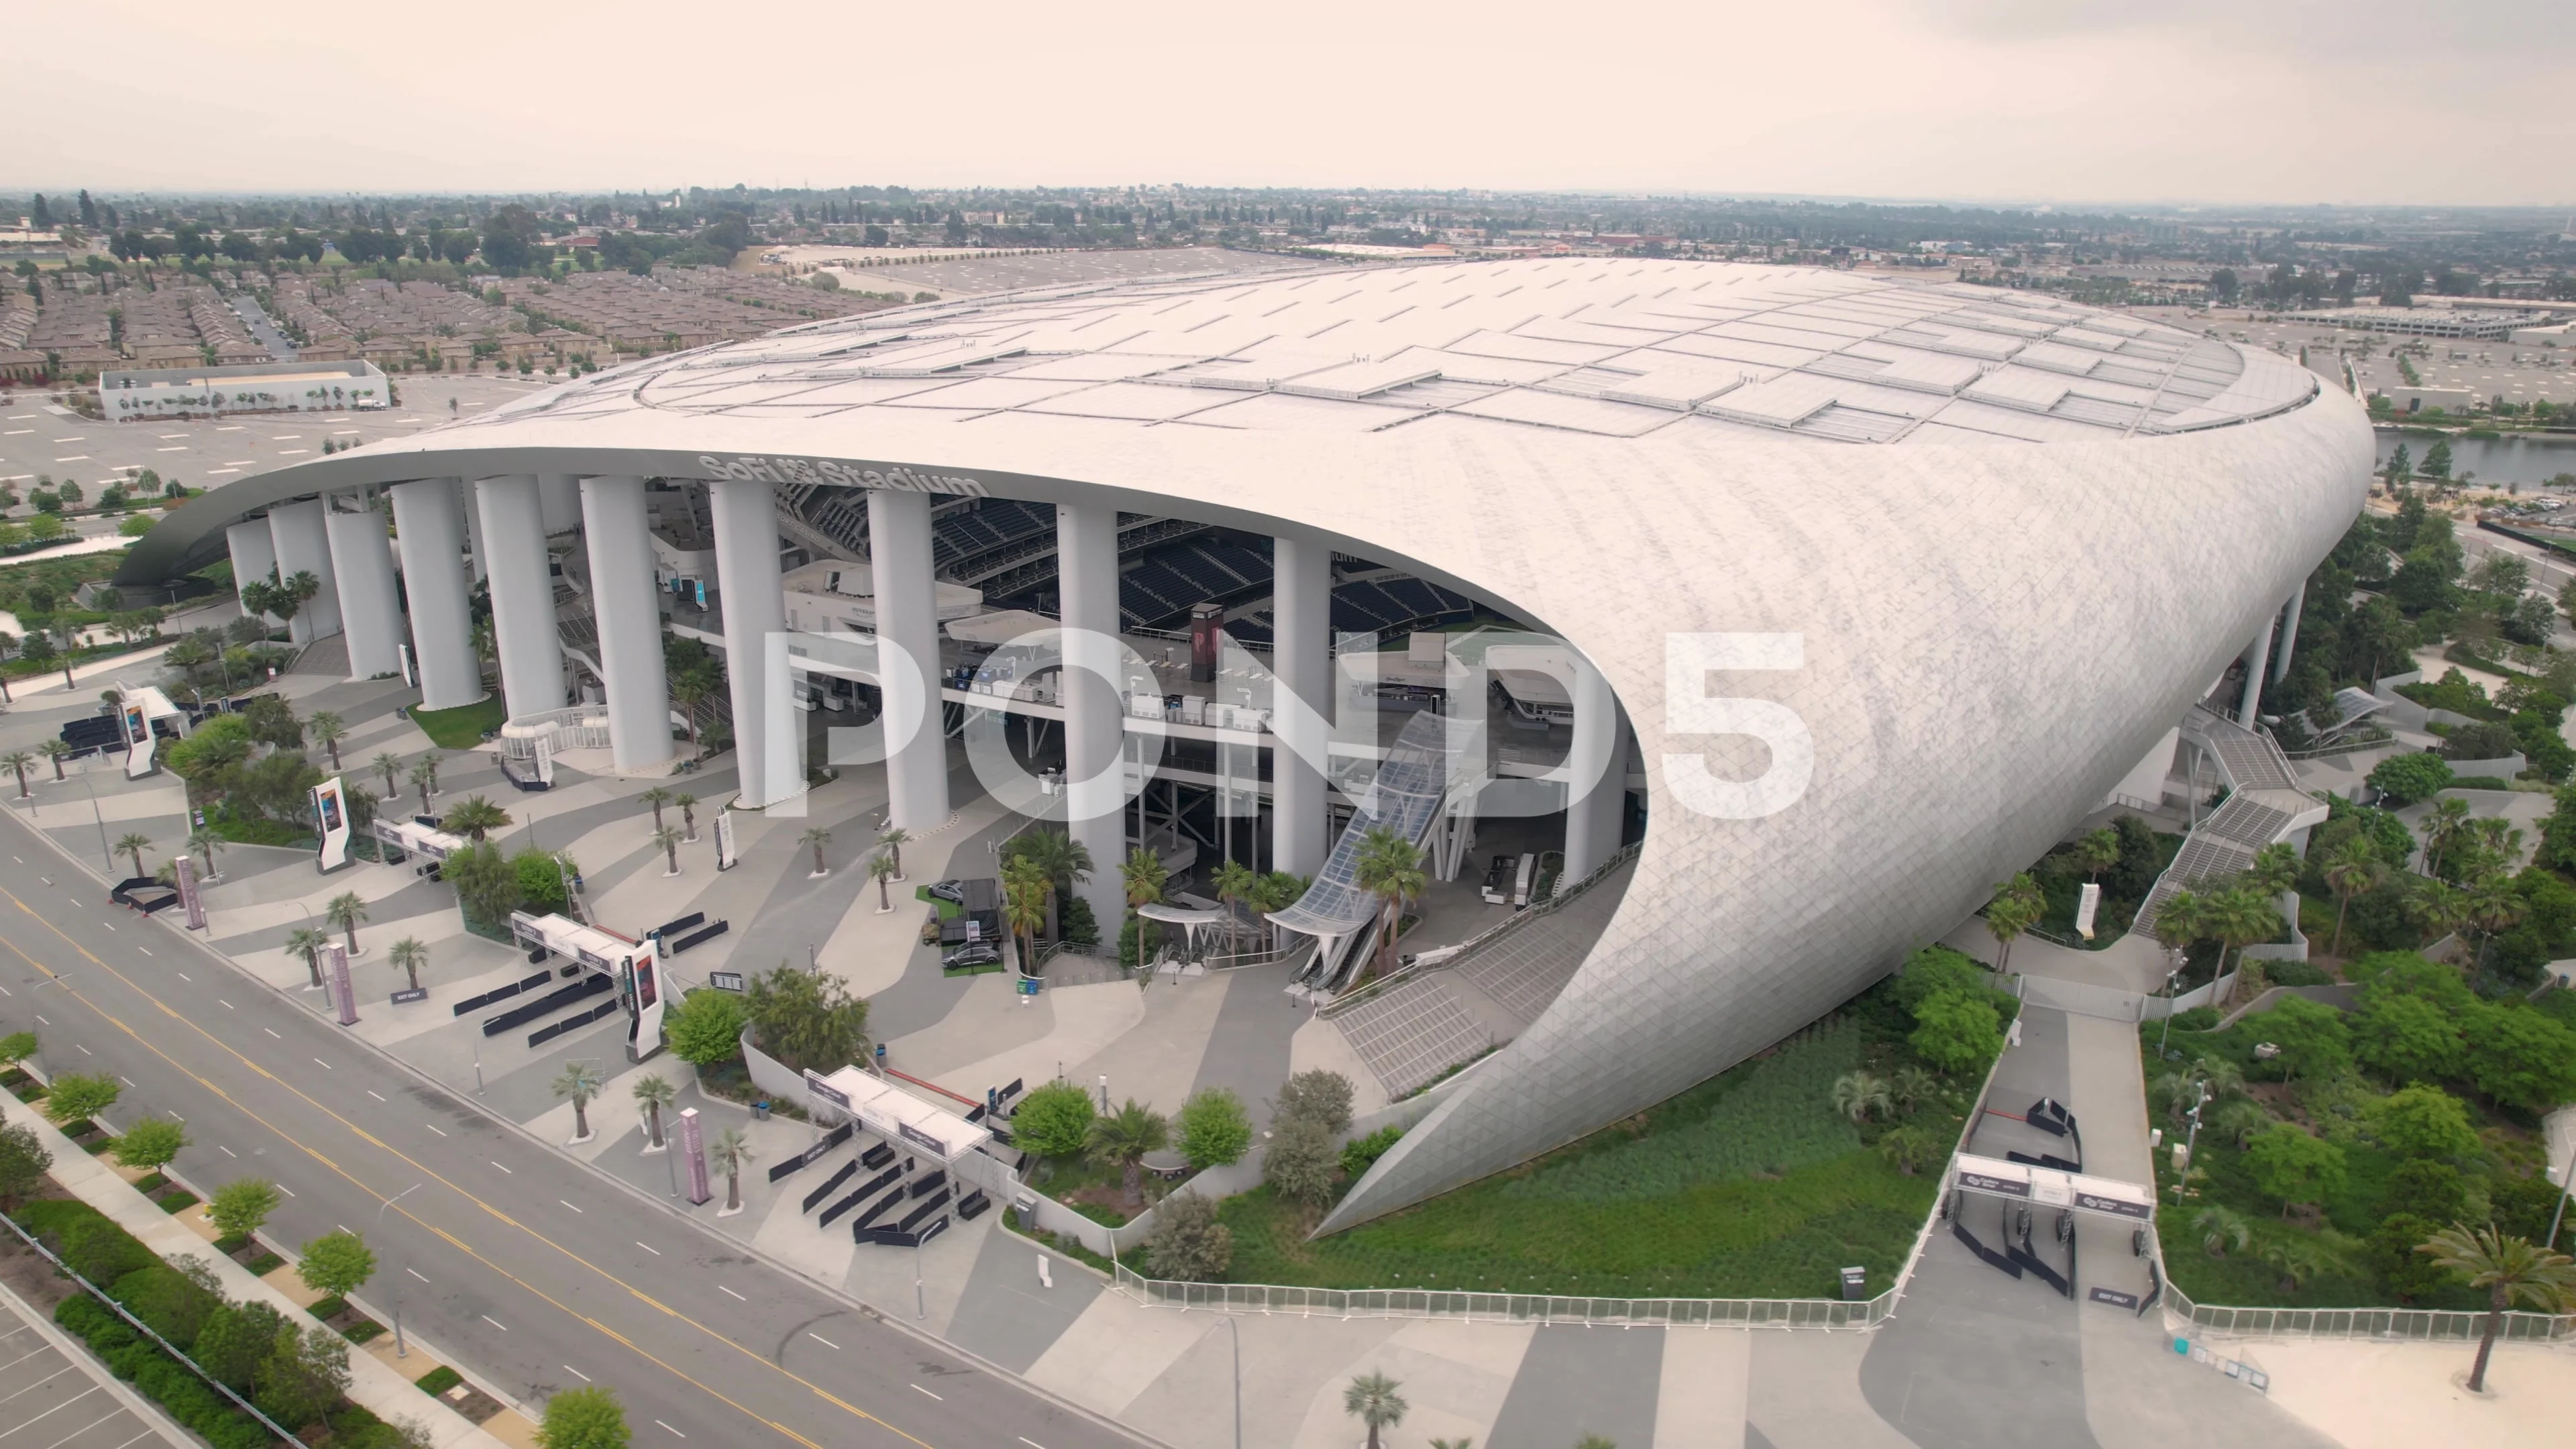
<point>2264,804</point>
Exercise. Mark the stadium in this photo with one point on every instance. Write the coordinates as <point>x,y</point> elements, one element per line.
<point>1775,612</point>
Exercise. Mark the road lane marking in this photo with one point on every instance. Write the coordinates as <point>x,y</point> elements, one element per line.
<point>111,925</point>
<point>566,1204</point>
<point>326,1066</point>
<point>656,1252</point>
<point>282,1187</point>
<point>129,1081</point>
<point>496,1163</point>
<point>415,1273</point>
<point>85,1051</point>
<point>226,1151</point>
<point>484,1260</point>
<point>1032,1443</point>
<point>372,1092</point>
<point>729,1293</point>
<point>576,1373</point>
<point>496,1323</point>
<point>918,1389</point>
<point>434,1128</point>
<point>675,1431</point>
<point>226,1005</point>
<point>818,1338</point>
<point>272,1031</point>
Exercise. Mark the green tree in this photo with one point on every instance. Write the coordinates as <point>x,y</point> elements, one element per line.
<point>16,1047</point>
<point>2426,1122</point>
<point>656,797</point>
<point>1910,1148</point>
<point>303,1377</point>
<point>336,1264</point>
<point>2520,1057</point>
<point>1317,1096</point>
<point>328,730</point>
<point>583,1418</point>
<point>1024,902</point>
<point>1054,1120</point>
<point>806,1019</point>
<point>1215,1128</point>
<point>2405,779</point>
<point>1390,868</point>
<point>1957,1031</point>
<point>817,837</point>
<point>23,1163</point>
<point>578,1083</point>
<point>730,1153</point>
<point>668,841</point>
<point>2096,851</point>
<point>2290,1165</point>
<point>407,956</point>
<point>346,911</point>
<point>892,840</point>
<point>1142,875</point>
<point>707,1027</point>
<point>2313,1040</point>
<point>1300,1161</point>
<point>389,765</point>
<point>475,818</point>
<point>1858,1094</point>
<point>76,1096</point>
<point>1065,862</point>
<point>2222,1230</point>
<point>2513,1272</point>
<point>2016,907</point>
<point>131,845</point>
<point>1372,1399</point>
<point>654,1094</point>
<point>235,1340</point>
<point>2353,869</point>
<point>151,1144</point>
<point>241,1206</point>
<point>18,761</point>
<point>1123,1138</point>
<point>486,885</point>
<point>1188,1244</point>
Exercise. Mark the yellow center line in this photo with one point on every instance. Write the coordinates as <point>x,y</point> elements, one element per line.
<point>433,1174</point>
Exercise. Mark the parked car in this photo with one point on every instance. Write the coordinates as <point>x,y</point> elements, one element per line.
<point>949,890</point>
<point>972,954</point>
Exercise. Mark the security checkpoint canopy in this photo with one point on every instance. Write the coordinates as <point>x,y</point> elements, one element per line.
<point>891,1112</point>
<point>2049,1187</point>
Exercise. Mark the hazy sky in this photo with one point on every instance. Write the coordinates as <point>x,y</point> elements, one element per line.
<point>2436,101</point>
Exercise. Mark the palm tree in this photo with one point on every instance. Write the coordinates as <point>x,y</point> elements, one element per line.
<point>19,760</point>
<point>1143,876</point>
<point>56,751</point>
<point>688,814</point>
<point>2436,907</point>
<point>131,844</point>
<point>881,870</point>
<point>1909,1147</point>
<point>657,797</point>
<point>1232,881</point>
<point>580,1081</point>
<point>408,956</point>
<point>1857,1094</point>
<point>327,730</point>
<point>1066,862</point>
<point>475,818</point>
<point>1024,897</point>
<point>208,844</point>
<point>1912,1087</point>
<point>424,774</point>
<point>2275,868</point>
<point>389,765</point>
<point>2240,918</point>
<point>1390,868</point>
<point>655,1094</point>
<point>668,841</point>
<point>2097,851</point>
<point>346,910</point>
<point>817,837</point>
<point>2016,907</point>
<point>2352,870</point>
<point>1122,1139</point>
<point>307,942</point>
<point>891,840</point>
<point>2512,1270</point>
<point>2222,1229</point>
<point>1372,1399</point>
<point>729,1152</point>
<point>2491,904</point>
<point>688,694</point>
<point>2442,826</point>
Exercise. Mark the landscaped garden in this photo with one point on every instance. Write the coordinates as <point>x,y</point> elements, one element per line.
<point>2331,1147</point>
<point>1764,1181</point>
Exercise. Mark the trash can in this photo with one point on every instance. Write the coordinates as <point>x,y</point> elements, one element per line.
<point>760,1111</point>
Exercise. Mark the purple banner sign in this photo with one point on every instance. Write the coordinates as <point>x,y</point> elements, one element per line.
<point>693,1142</point>
<point>192,903</point>
<point>343,994</point>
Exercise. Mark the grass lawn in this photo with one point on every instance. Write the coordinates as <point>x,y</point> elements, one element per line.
<point>463,727</point>
<point>1748,1185</point>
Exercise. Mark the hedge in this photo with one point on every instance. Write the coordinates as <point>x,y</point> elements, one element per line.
<point>166,1381</point>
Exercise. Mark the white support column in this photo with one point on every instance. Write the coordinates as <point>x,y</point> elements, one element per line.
<point>2289,634</point>
<point>1095,800</point>
<point>523,595</point>
<point>254,554</point>
<point>754,603</point>
<point>1302,660</point>
<point>559,502</point>
<point>304,546</point>
<point>1598,760</point>
<point>479,561</point>
<point>908,617</point>
<point>2258,658</point>
<point>430,530</point>
<point>370,606</point>
<point>630,622</point>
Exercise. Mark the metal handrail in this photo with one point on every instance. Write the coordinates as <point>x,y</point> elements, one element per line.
<point>2411,1325</point>
<point>1509,1307</point>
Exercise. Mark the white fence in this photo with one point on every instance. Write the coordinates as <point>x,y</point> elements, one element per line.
<point>2396,1325</point>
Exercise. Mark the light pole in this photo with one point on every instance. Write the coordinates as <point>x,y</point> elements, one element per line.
<point>2566,1185</point>
<point>104,852</point>
<point>2173,974</point>
<point>400,1350</point>
<point>2191,1144</point>
<point>1234,1332</point>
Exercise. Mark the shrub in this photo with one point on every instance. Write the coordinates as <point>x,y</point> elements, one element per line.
<point>1319,1097</point>
<point>303,1376</point>
<point>1957,1031</point>
<point>2520,1057</point>
<point>1361,1153</point>
<point>707,1027</point>
<point>1935,969</point>
<point>158,1376</point>
<point>2292,1166</point>
<point>1187,1243</point>
<point>584,1418</point>
<point>23,1162</point>
<point>1054,1120</point>
<point>806,1019</point>
<point>2405,779</point>
<point>2425,1122</point>
<point>1214,1128</point>
<point>2405,1038</point>
<point>2313,1040</point>
<point>2391,1256</point>
<point>100,1251</point>
<point>1300,1161</point>
<point>168,1301</point>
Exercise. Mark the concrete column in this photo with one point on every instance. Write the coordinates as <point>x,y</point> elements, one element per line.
<point>523,595</point>
<point>908,616</point>
<point>1302,659</point>
<point>370,605</point>
<point>430,530</point>
<point>2258,658</point>
<point>1095,802</point>
<point>559,502</point>
<point>254,554</point>
<point>304,546</point>
<point>1599,762</point>
<point>630,621</point>
<point>754,604</point>
<point>479,561</point>
<point>2289,634</point>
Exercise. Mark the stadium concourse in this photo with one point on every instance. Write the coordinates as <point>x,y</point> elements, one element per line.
<point>1581,561</point>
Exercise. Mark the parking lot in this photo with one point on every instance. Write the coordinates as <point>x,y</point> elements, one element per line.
<point>50,1401</point>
